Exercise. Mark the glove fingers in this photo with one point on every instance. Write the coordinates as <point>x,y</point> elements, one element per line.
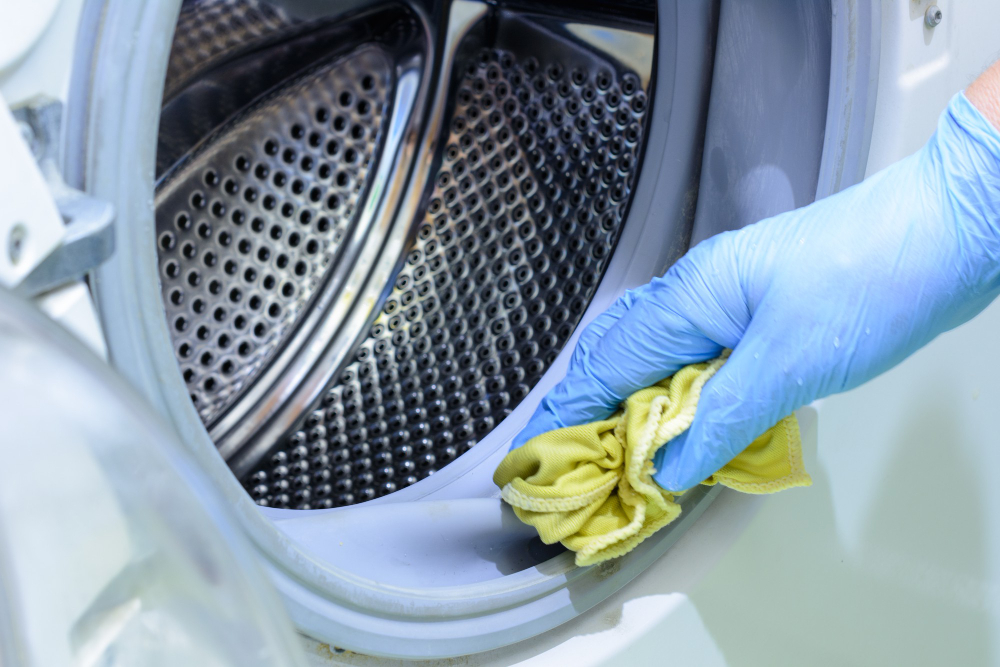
<point>647,335</point>
<point>689,315</point>
<point>646,344</point>
<point>748,395</point>
<point>653,340</point>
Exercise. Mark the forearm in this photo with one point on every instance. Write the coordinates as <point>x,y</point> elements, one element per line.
<point>984,93</point>
<point>812,302</point>
<point>964,158</point>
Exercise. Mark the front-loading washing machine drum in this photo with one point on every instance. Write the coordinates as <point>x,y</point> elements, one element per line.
<point>356,242</point>
<point>272,151</point>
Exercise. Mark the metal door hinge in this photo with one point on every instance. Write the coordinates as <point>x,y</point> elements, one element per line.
<point>53,234</point>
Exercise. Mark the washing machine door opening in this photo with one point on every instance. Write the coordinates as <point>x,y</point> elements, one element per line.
<point>346,324</point>
<point>354,251</point>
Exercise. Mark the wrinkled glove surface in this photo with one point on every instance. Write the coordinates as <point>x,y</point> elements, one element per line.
<point>813,302</point>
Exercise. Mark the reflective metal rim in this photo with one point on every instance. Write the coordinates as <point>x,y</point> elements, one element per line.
<point>111,139</point>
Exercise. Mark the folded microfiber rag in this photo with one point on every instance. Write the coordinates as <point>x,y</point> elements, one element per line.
<point>591,486</point>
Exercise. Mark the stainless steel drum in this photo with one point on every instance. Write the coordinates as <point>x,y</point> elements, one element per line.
<point>281,148</point>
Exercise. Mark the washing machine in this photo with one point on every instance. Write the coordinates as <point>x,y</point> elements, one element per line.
<point>283,278</point>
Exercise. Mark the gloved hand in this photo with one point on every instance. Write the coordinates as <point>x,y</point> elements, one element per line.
<point>813,302</point>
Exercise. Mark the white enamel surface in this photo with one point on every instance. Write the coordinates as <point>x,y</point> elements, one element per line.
<point>44,45</point>
<point>921,68</point>
<point>893,555</point>
<point>22,25</point>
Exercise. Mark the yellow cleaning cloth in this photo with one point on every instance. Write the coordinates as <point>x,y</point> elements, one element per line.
<point>591,486</point>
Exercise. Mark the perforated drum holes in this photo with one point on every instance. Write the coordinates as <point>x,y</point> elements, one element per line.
<point>533,183</point>
<point>209,28</point>
<point>245,229</point>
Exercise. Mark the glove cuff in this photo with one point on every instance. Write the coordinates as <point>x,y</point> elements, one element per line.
<point>967,147</point>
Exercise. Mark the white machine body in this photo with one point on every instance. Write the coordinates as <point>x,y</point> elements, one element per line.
<point>891,557</point>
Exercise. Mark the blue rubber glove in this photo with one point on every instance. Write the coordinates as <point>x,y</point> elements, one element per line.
<point>813,302</point>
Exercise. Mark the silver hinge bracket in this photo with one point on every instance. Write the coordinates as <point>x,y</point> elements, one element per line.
<point>89,233</point>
